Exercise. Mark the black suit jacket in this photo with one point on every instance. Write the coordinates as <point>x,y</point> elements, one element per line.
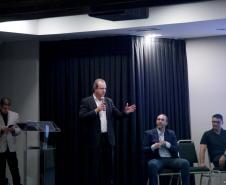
<point>151,137</point>
<point>90,121</point>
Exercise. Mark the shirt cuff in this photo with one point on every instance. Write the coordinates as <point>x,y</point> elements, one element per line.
<point>153,147</point>
<point>168,145</point>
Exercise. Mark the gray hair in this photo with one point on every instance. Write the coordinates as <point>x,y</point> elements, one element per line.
<point>95,83</point>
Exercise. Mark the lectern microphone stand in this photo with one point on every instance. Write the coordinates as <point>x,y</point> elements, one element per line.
<point>46,151</point>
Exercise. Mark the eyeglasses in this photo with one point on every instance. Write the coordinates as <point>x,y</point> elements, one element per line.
<point>216,122</point>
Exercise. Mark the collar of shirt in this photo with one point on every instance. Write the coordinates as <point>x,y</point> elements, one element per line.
<point>159,132</point>
<point>161,135</point>
<point>220,133</point>
<point>95,98</point>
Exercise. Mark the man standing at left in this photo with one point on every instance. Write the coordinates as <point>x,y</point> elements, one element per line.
<point>8,132</point>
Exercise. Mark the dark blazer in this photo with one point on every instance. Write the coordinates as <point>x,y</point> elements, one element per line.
<point>90,121</point>
<point>151,137</point>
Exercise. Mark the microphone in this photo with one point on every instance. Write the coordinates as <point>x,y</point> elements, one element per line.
<point>103,101</point>
<point>46,135</point>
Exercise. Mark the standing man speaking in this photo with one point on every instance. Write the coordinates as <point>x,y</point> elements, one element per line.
<point>96,114</point>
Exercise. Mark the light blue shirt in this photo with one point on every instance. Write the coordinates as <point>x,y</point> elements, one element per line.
<point>164,150</point>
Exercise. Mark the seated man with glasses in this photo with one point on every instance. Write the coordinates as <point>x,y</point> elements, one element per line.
<point>161,152</point>
<point>215,140</point>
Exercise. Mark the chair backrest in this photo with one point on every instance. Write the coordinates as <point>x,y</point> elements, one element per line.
<point>187,150</point>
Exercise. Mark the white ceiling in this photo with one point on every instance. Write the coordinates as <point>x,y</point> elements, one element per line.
<point>191,20</point>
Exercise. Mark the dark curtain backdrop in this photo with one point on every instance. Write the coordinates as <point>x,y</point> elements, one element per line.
<point>161,82</point>
<point>153,75</point>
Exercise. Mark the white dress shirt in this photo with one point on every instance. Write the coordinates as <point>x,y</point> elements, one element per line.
<point>164,150</point>
<point>102,115</point>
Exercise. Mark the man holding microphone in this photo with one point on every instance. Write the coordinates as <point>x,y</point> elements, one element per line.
<point>96,114</point>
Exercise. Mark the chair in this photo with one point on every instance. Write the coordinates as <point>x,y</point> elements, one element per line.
<point>169,172</point>
<point>187,151</point>
<point>219,172</point>
<point>216,170</point>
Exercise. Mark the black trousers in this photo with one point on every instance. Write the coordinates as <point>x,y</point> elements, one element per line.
<point>105,162</point>
<point>12,161</point>
<point>98,164</point>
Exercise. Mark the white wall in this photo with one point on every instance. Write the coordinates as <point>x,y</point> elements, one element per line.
<point>19,64</point>
<point>19,80</point>
<point>207,75</point>
<point>207,89</point>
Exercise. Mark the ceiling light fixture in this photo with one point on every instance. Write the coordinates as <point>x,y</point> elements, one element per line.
<point>148,38</point>
<point>221,29</point>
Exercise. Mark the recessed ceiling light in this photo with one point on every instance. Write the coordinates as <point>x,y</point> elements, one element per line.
<point>152,36</point>
<point>154,29</point>
<point>146,30</point>
<point>221,29</point>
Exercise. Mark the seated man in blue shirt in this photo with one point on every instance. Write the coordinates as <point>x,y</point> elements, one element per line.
<point>161,150</point>
<point>215,140</point>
